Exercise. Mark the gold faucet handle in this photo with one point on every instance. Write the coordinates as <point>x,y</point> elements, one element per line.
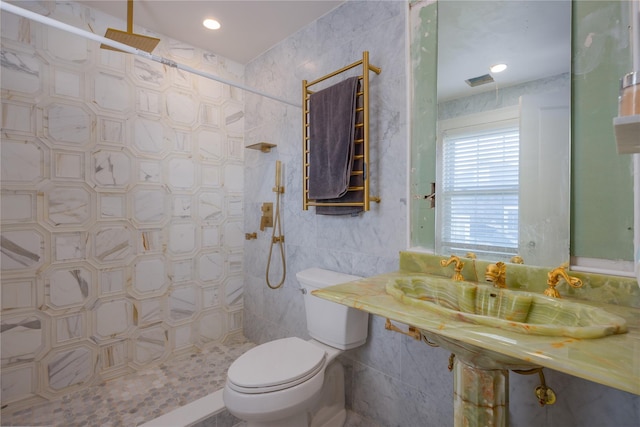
<point>517,259</point>
<point>457,270</point>
<point>554,277</point>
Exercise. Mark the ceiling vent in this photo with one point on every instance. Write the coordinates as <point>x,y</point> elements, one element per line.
<point>480,80</point>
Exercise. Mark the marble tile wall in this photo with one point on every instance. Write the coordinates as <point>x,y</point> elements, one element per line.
<point>392,380</point>
<point>362,245</point>
<point>122,205</point>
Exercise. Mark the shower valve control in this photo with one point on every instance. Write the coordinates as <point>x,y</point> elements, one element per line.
<point>267,216</point>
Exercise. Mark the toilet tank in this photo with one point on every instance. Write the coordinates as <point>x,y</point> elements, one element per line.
<point>331,323</point>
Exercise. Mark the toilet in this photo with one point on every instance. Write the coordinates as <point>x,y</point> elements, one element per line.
<point>292,382</point>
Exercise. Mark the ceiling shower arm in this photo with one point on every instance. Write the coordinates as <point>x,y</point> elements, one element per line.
<point>130,16</point>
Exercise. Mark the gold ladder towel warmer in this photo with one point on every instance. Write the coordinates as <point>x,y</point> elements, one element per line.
<point>365,171</point>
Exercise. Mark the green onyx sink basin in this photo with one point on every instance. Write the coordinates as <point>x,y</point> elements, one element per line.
<point>517,311</point>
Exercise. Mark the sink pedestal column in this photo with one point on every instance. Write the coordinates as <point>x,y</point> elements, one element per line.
<point>481,396</point>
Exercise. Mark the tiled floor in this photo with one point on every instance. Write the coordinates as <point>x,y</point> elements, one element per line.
<point>138,397</point>
<point>353,420</point>
<point>143,396</point>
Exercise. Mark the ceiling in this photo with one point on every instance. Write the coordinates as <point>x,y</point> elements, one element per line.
<point>531,36</point>
<point>248,28</point>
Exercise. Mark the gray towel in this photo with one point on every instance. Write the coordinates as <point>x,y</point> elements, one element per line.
<point>356,181</point>
<point>331,131</point>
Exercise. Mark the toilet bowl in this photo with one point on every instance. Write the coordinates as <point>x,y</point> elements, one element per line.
<point>279,382</point>
<point>291,382</point>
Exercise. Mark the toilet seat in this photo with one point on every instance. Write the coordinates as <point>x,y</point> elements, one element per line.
<point>276,365</point>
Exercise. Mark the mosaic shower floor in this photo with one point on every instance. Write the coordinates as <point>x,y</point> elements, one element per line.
<point>139,397</point>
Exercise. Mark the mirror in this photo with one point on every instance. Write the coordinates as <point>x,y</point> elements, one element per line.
<point>533,95</point>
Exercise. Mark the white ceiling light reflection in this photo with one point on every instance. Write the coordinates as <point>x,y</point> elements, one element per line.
<point>211,24</point>
<point>498,68</point>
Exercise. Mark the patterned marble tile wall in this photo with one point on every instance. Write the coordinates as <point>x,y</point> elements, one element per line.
<point>122,205</point>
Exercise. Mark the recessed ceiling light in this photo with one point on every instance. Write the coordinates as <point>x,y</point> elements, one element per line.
<point>498,68</point>
<point>211,24</point>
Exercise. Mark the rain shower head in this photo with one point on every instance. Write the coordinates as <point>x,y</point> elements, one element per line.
<point>128,37</point>
<point>138,41</point>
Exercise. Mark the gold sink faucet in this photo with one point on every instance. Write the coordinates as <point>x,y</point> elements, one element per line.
<point>457,273</point>
<point>497,273</point>
<point>554,277</point>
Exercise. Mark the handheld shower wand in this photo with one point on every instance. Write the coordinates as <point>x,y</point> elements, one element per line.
<point>279,239</point>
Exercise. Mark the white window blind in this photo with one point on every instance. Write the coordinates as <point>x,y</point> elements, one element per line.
<point>479,191</point>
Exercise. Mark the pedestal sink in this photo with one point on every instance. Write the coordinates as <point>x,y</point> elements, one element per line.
<point>480,383</point>
<point>492,331</point>
<point>516,311</point>
<point>481,377</point>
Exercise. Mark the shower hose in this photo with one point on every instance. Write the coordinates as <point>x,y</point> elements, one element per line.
<point>279,240</point>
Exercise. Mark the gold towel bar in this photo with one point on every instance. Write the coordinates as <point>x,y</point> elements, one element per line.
<point>365,140</point>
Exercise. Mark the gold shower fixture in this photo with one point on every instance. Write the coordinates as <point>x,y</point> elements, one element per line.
<point>277,229</point>
<point>128,37</point>
<point>265,147</point>
<point>266,220</point>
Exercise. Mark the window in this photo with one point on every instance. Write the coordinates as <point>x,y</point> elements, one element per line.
<point>478,187</point>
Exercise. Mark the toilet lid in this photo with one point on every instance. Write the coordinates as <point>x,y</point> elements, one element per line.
<point>275,365</point>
